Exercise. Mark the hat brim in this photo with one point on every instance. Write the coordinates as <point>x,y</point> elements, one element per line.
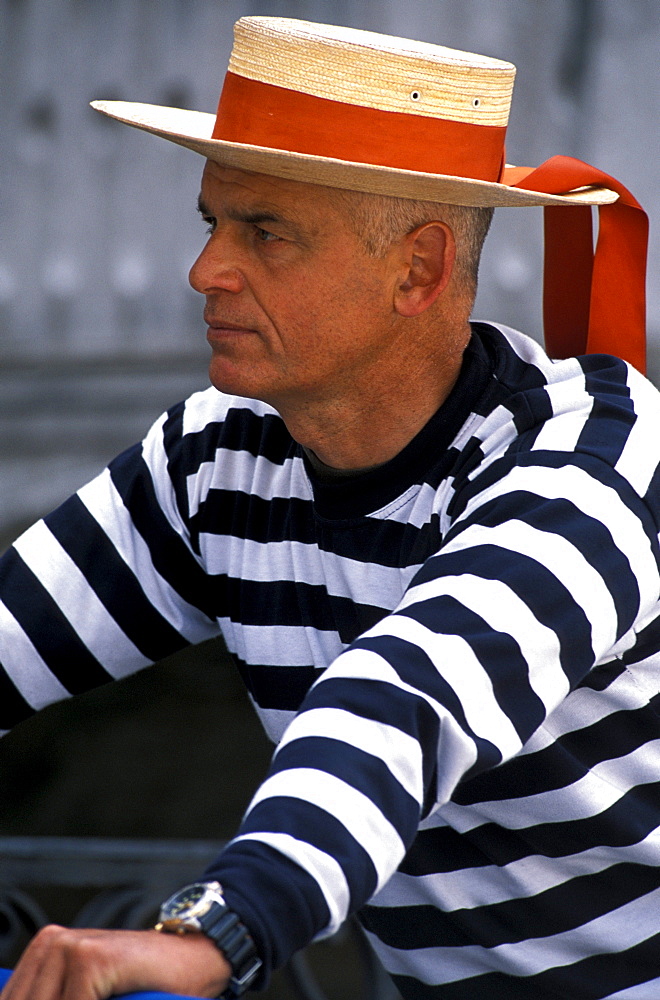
<point>193,129</point>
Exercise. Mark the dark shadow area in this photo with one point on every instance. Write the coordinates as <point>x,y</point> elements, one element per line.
<point>174,751</point>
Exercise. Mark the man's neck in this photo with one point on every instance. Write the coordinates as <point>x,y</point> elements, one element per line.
<point>370,428</point>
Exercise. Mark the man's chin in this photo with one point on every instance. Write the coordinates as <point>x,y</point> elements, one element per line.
<point>230,381</point>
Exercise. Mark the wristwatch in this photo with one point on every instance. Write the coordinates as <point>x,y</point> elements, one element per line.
<point>201,909</point>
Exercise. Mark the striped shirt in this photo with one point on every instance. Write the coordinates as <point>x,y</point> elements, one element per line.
<point>476,770</point>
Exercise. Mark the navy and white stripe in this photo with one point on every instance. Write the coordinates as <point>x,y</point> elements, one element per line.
<point>477,767</point>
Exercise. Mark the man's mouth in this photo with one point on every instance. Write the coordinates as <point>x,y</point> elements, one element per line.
<point>218,327</point>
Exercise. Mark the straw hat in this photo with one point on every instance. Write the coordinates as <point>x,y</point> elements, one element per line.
<point>353,109</point>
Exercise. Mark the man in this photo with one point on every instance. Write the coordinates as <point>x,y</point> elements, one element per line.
<point>454,536</point>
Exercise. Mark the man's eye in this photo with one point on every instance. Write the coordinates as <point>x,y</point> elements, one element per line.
<point>264,236</point>
<point>209,222</point>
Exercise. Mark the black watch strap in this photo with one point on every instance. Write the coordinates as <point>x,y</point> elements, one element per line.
<point>234,940</point>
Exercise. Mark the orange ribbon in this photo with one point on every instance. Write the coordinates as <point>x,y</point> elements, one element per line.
<point>593,302</point>
<point>261,114</point>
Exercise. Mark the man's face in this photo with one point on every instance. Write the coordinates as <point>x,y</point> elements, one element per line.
<point>297,312</point>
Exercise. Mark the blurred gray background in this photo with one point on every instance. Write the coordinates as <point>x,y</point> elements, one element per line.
<point>99,331</point>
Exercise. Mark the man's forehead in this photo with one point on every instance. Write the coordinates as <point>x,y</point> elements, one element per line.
<point>242,182</point>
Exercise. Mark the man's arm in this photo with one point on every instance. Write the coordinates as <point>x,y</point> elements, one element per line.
<point>102,587</point>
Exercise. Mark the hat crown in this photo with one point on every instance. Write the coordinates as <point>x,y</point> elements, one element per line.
<point>368,69</point>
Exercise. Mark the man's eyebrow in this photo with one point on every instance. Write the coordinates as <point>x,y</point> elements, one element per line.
<point>253,216</point>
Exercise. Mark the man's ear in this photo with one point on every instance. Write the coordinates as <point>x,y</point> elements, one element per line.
<point>429,255</point>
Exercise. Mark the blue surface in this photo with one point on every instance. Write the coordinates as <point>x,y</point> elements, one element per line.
<point>6,973</point>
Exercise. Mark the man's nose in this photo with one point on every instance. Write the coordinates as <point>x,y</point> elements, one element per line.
<point>214,269</point>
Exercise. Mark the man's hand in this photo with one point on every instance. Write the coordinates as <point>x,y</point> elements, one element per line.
<point>63,964</point>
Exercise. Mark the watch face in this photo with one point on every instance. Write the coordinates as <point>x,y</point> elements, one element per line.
<point>187,902</point>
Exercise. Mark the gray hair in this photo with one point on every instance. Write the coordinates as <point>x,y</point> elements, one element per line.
<point>379,220</point>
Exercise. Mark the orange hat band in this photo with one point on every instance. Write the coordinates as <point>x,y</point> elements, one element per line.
<point>261,114</point>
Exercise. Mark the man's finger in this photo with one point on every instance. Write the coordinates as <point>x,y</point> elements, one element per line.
<point>41,970</point>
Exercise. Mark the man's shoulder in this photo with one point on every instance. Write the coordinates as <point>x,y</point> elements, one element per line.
<point>594,408</point>
<point>520,362</point>
<point>521,368</point>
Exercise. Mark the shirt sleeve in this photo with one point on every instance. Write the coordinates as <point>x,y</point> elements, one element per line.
<point>547,569</point>
<point>103,586</point>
